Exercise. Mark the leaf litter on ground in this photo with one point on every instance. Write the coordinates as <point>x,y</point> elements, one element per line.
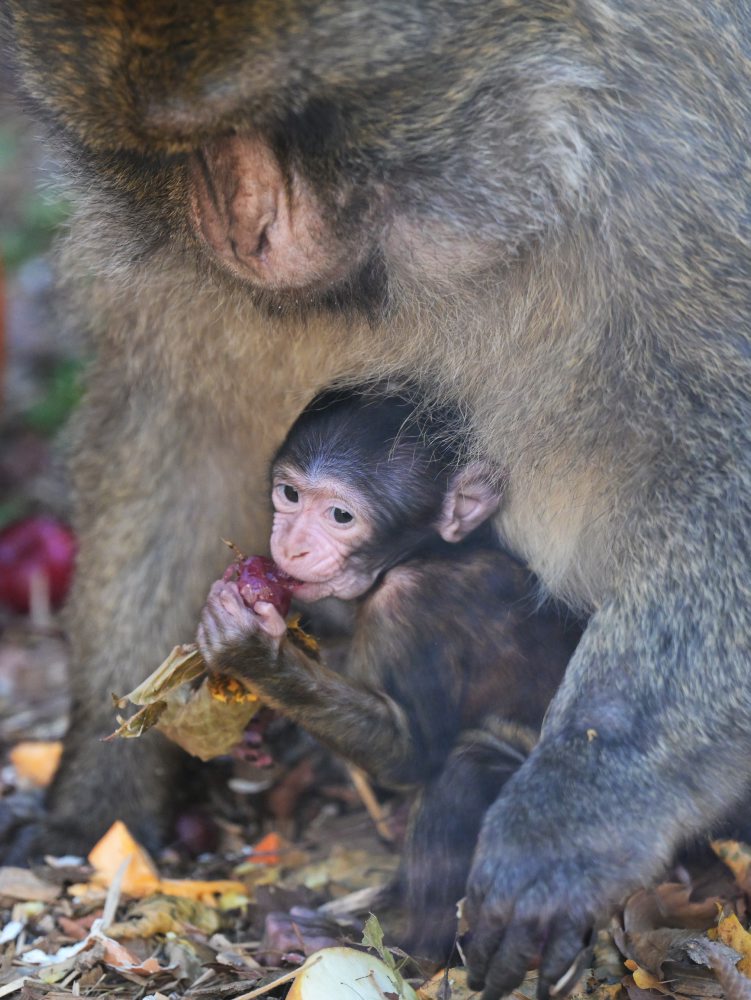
<point>677,942</point>
<point>223,937</point>
<point>240,923</point>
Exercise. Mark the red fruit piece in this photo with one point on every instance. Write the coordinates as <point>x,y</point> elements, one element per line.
<point>35,548</point>
<point>196,832</point>
<point>260,579</point>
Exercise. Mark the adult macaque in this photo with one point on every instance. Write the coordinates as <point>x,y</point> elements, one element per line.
<point>544,206</point>
<point>452,663</point>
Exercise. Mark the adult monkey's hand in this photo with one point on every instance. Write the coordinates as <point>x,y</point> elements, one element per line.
<point>601,804</point>
<point>533,901</point>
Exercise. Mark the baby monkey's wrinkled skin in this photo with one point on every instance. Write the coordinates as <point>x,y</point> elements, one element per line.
<point>451,665</point>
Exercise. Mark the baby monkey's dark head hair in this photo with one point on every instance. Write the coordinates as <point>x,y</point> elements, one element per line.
<point>404,457</point>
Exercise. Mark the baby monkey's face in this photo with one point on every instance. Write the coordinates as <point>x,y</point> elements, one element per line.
<point>319,527</point>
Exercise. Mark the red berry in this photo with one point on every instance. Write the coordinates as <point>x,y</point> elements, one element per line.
<point>35,547</point>
<point>260,579</point>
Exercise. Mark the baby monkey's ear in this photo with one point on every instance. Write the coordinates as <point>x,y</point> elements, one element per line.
<point>474,495</point>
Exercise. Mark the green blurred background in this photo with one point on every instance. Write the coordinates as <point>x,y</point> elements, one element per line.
<point>40,352</point>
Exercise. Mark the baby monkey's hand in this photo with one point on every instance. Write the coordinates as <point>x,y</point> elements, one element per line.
<point>227,622</point>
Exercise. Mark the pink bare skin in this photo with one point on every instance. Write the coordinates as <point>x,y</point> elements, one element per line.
<point>317,526</point>
<point>262,225</point>
<point>312,538</point>
<point>226,619</point>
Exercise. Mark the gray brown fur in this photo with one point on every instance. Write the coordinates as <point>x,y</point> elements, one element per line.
<point>451,668</point>
<point>555,200</point>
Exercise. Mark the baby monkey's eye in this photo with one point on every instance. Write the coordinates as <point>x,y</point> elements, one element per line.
<point>341,516</point>
<point>290,493</point>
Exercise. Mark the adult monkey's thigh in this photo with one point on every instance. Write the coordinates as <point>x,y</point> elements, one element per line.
<point>170,451</point>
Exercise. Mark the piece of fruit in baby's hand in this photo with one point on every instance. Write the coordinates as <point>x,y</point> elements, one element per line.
<point>207,715</point>
<point>258,578</point>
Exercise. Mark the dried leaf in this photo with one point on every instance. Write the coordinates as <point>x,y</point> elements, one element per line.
<point>116,956</point>
<point>348,870</point>
<point>235,955</point>
<point>273,853</point>
<point>77,930</point>
<point>668,905</point>
<point>206,722</point>
<point>372,937</point>
<point>635,993</point>
<point>721,960</point>
<point>141,877</point>
<point>183,664</point>
<point>20,883</point>
<point>302,639</point>
<point>95,948</point>
<point>268,850</point>
<point>359,901</point>
<point>138,723</point>
<point>607,991</point>
<point>232,899</point>
<point>658,923</point>
<point>204,726</point>
<point>737,856</point>
<point>36,760</point>
<point>186,956</point>
<point>230,690</point>
<point>607,960</point>
<point>257,875</point>
<point>164,915</point>
<point>731,932</point>
<point>448,984</point>
<point>209,892</point>
<point>643,979</point>
<point>13,986</point>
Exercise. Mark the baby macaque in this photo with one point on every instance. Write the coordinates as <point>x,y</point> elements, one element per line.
<point>452,663</point>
